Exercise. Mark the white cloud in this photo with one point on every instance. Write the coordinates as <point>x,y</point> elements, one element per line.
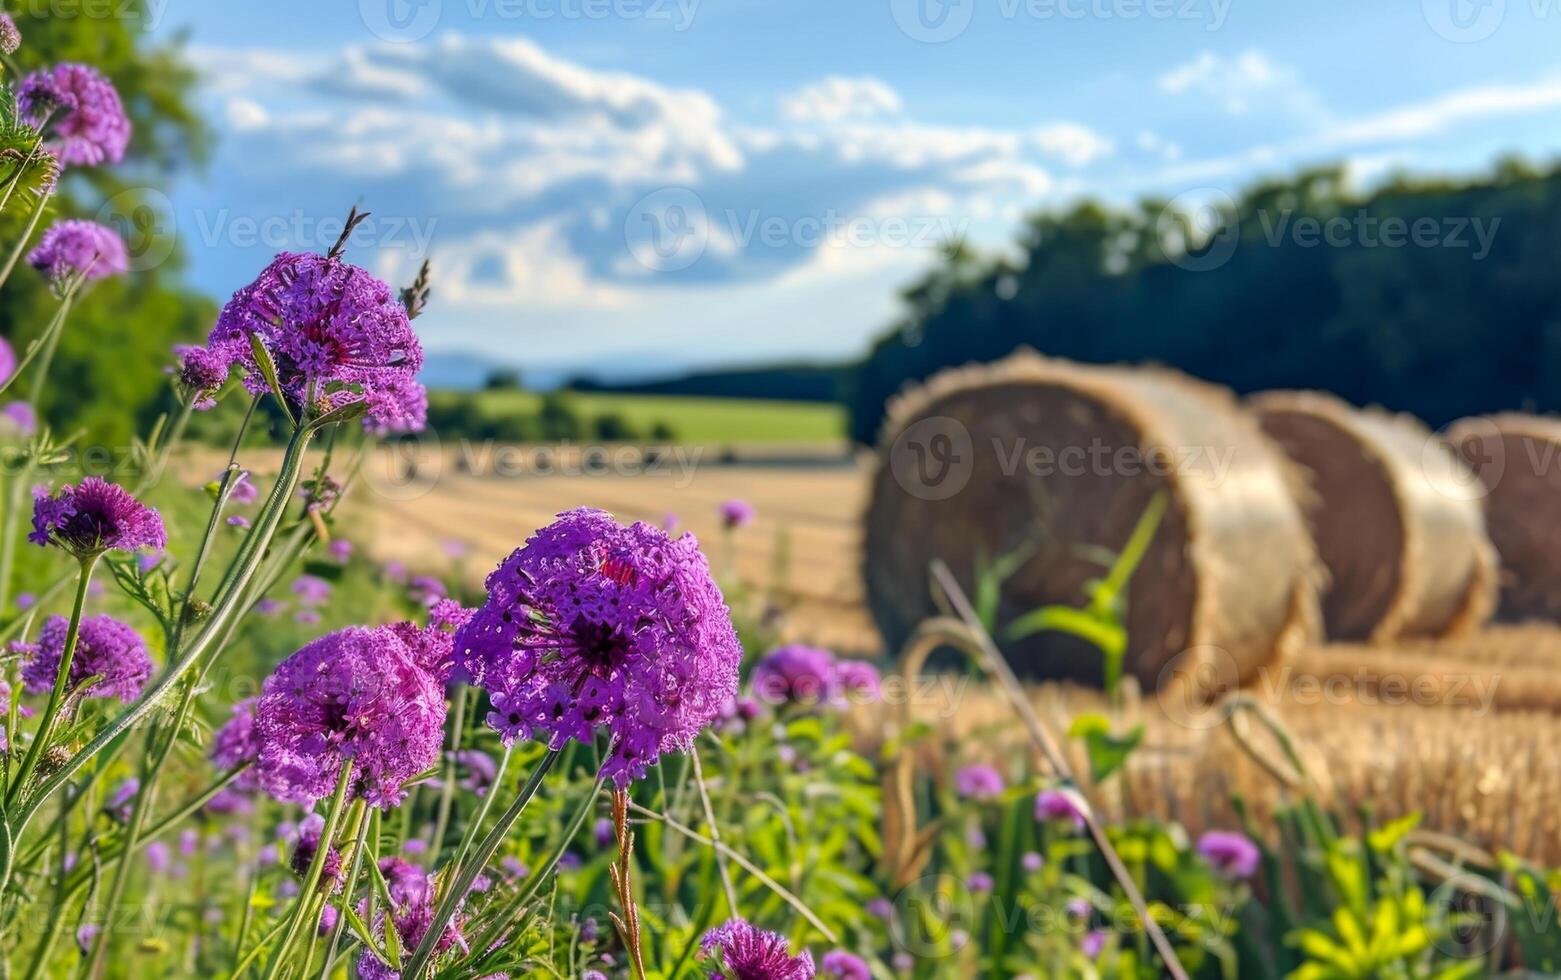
<point>1239,85</point>
<point>838,98</point>
<point>1071,142</point>
<point>1437,115</point>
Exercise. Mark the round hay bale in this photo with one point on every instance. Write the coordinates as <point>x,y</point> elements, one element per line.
<point>1047,466</point>
<point>1391,515</point>
<point>1518,459</point>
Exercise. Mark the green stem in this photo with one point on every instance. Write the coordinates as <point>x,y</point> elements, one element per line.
<point>225,605</point>
<point>469,869</point>
<point>21,243</point>
<point>447,791</point>
<point>56,694</point>
<point>312,877</point>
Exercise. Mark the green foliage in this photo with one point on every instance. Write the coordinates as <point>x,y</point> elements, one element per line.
<point>113,355</point>
<point>1440,330</point>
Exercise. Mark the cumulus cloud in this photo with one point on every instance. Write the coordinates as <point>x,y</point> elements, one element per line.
<point>837,98</point>
<point>1239,85</point>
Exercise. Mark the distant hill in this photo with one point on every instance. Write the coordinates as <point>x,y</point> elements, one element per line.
<point>783,382</point>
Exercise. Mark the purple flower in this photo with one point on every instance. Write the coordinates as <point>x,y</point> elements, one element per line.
<point>85,934</point>
<point>229,801</point>
<point>328,917</point>
<point>311,590</point>
<point>880,908</point>
<point>105,648</point>
<point>410,915</point>
<point>203,373</point>
<point>736,513</point>
<point>355,695</point>
<point>268,606</point>
<point>10,35</point>
<point>158,858</point>
<point>979,882</point>
<point>604,832</point>
<point>92,517</point>
<point>235,744</point>
<point>20,416</point>
<point>309,833</point>
<point>73,247</point>
<point>395,571</point>
<point>593,625</point>
<point>425,590</point>
<point>1032,861</point>
<point>404,880</point>
<point>480,769</point>
<point>845,966</point>
<point>85,120</point>
<point>857,681</point>
<point>1231,854</point>
<point>1054,804</point>
<point>7,360</point>
<point>796,673</point>
<point>336,335</point>
<point>1093,943</point>
<point>514,866</point>
<point>238,520</point>
<point>243,491</point>
<point>978,782</point>
<point>340,550</point>
<point>749,953</point>
<point>122,800</point>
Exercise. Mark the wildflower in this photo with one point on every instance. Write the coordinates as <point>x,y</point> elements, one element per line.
<point>1032,861</point>
<point>880,908</point>
<point>238,521</point>
<point>857,682</point>
<point>243,491</point>
<point>320,494</point>
<point>122,800</point>
<point>268,606</point>
<point>395,571</point>
<point>105,648</point>
<point>1054,804</point>
<point>85,934</point>
<point>979,882</point>
<point>593,625</point>
<point>311,590</point>
<point>73,247</point>
<point>85,120</point>
<point>425,590</point>
<point>978,782</point>
<point>744,952</point>
<point>5,710</point>
<point>229,801</point>
<point>569,861</point>
<point>514,867</point>
<point>306,617</point>
<point>840,965</point>
<point>796,673</point>
<point>21,417</point>
<point>92,517</point>
<point>309,833</point>
<point>335,334</point>
<point>411,916</point>
<point>7,360</point>
<point>202,373</point>
<point>158,858</point>
<point>340,550</point>
<point>480,768</point>
<point>1093,943</point>
<point>1231,854</point>
<point>354,695</point>
<point>235,744</point>
<point>736,513</point>
<point>10,35</point>
<point>603,832</point>
<point>328,917</point>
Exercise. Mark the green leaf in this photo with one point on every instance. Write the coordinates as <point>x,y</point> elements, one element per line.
<point>268,371</point>
<point>1107,752</point>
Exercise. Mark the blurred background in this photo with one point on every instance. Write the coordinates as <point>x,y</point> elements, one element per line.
<point>684,251</point>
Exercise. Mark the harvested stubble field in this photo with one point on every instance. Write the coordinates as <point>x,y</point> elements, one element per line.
<point>1462,729</point>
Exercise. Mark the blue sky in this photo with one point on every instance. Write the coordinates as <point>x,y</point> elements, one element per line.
<point>646,185</point>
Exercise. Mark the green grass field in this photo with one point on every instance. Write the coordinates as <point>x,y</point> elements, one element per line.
<point>695,420</point>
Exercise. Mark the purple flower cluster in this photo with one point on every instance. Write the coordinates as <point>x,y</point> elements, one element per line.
<point>412,913</point>
<point>808,675</point>
<point>235,744</point>
<point>105,648</point>
<point>355,695</point>
<point>94,516</point>
<point>73,247</point>
<point>840,965</point>
<point>1231,854</point>
<point>596,626</point>
<point>10,35</point>
<point>1057,805</point>
<point>736,513</point>
<point>310,831</point>
<point>85,120</point>
<point>978,782</point>
<point>20,417</point>
<point>742,951</point>
<point>335,333</point>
